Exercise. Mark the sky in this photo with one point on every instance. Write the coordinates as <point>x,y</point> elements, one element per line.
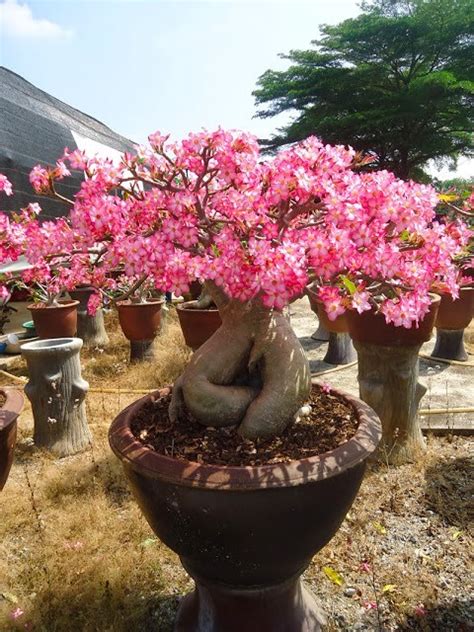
<point>170,65</point>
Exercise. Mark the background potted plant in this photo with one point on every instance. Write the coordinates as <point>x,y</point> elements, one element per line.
<point>455,313</point>
<point>258,233</point>
<point>11,404</point>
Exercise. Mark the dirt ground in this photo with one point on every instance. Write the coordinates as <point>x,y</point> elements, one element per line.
<point>76,553</point>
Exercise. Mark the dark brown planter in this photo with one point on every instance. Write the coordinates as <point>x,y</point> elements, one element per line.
<point>8,415</point>
<point>456,314</point>
<point>140,321</point>
<point>58,321</point>
<point>371,328</point>
<point>245,534</point>
<point>198,324</point>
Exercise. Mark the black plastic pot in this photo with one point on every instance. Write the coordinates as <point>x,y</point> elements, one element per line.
<point>245,534</point>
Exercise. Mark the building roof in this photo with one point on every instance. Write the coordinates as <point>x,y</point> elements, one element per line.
<point>35,127</point>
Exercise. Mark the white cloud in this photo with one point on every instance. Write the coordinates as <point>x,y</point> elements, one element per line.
<point>17,20</point>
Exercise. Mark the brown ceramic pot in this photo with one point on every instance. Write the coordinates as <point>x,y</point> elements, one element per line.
<point>338,326</point>
<point>8,415</point>
<point>371,328</point>
<point>246,534</point>
<point>198,324</point>
<point>58,321</point>
<point>456,314</point>
<point>140,321</point>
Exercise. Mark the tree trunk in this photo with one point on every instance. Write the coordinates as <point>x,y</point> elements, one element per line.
<point>57,392</point>
<point>450,345</point>
<point>252,373</point>
<point>90,328</point>
<point>388,382</point>
<point>340,349</point>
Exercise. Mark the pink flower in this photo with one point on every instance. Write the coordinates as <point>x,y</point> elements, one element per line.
<point>16,614</point>
<point>39,178</point>
<point>420,610</point>
<point>5,185</point>
<point>93,304</point>
<point>325,387</point>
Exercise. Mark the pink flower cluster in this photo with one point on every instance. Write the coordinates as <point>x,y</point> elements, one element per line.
<point>210,207</point>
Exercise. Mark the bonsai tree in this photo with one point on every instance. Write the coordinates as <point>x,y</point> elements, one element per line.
<point>256,233</point>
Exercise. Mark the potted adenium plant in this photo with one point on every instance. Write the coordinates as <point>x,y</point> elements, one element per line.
<point>256,233</point>
<point>455,313</point>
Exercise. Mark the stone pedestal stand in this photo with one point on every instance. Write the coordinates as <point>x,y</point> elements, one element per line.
<point>450,345</point>
<point>142,350</point>
<point>340,349</point>
<point>321,333</point>
<point>90,328</point>
<point>57,392</point>
<point>388,382</point>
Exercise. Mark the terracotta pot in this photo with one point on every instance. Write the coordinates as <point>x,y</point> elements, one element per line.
<point>371,328</point>
<point>456,314</point>
<point>198,324</point>
<point>245,534</point>
<point>140,321</point>
<point>338,326</point>
<point>8,415</point>
<point>59,321</point>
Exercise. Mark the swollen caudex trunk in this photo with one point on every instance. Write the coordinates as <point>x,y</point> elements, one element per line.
<point>252,373</point>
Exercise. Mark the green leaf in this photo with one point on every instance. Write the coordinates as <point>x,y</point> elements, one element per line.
<point>388,588</point>
<point>379,528</point>
<point>456,534</point>
<point>333,575</point>
<point>148,542</point>
<point>405,235</point>
<point>349,285</point>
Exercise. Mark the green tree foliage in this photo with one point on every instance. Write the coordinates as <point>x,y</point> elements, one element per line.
<point>398,80</point>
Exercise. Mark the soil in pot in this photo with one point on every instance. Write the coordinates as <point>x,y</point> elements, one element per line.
<point>55,321</point>
<point>331,422</point>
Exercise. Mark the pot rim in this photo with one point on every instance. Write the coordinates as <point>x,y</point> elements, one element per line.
<point>183,307</point>
<point>12,406</point>
<point>127,303</point>
<point>234,478</point>
<point>52,345</point>
<point>63,302</point>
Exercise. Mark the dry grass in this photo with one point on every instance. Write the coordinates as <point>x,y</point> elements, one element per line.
<point>76,553</point>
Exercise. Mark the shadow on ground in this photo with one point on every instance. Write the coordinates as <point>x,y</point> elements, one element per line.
<point>132,612</point>
<point>457,616</point>
<point>449,490</point>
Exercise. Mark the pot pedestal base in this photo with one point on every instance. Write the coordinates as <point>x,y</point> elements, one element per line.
<point>450,345</point>
<point>142,350</point>
<point>340,349</point>
<point>321,334</point>
<point>388,382</point>
<point>288,607</point>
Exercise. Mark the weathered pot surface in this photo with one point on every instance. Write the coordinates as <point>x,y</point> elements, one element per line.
<point>456,313</point>
<point>55,321</point>
<point>8,427</point>
<point>245,534</point>
<point>140,321</point>
<point>371,328</point>
<point>197,325</point>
